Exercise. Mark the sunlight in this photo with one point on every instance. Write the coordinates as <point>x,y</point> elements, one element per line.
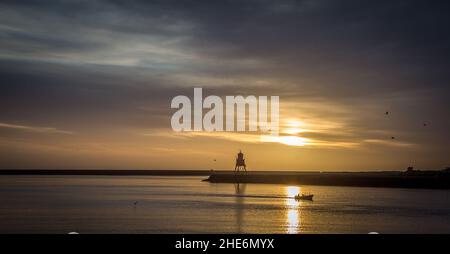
<point>292,140</point>
<point>293,221</point>
<point>293,214</point>
<point>293,131</point>
<point>294,123</point>
<point>286,140</point>
<point>292,191</point>
<point>293,126</point>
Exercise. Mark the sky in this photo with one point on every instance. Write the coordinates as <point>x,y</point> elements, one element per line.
<point>88,84</point>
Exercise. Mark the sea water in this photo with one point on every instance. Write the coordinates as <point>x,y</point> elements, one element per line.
<point>175,204</point>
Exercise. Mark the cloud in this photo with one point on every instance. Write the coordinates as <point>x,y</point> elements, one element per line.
<point>48,130</point>
<point>392,143</point>
<point>254,138</point>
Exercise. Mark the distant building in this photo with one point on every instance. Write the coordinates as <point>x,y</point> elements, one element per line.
<point>411,171</point>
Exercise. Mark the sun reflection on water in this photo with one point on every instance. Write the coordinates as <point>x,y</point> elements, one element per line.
<point>293,212</point>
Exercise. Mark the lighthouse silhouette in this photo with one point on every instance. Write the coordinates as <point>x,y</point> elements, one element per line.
<point>240,163</point>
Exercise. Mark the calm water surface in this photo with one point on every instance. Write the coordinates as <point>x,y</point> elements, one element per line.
<point>105,204</point>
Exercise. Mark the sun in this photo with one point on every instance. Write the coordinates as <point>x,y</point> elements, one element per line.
<point>286,140</point>
<point>292,140</point>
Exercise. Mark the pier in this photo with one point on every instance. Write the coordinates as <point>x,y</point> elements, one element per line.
<point>390,179</point>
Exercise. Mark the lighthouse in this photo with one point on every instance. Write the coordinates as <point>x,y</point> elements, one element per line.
<point>240,163</point>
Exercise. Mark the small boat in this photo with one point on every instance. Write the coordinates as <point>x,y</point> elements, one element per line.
<point>304,197</point>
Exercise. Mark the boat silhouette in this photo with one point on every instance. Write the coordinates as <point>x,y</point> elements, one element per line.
<point>304,197</point>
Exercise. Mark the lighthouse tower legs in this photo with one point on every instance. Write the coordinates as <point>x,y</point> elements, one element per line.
<point>240,168</point>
